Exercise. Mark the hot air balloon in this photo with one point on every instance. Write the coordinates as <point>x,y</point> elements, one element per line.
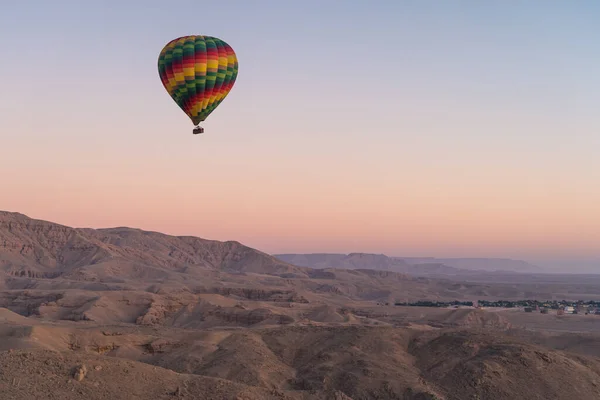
<point>198,72</point>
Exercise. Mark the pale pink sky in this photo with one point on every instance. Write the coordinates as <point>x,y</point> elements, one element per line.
<point>466,139</point>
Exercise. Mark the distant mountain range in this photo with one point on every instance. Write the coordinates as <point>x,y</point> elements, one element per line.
<point>41,249</point>
<point>41,254</point>
<point>478,264</point>
<point>417,266</point>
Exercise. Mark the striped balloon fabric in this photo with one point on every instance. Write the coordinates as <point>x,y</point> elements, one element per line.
<point>198,72</point>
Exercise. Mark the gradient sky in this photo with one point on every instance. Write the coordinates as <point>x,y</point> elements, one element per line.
<point>410,128</point>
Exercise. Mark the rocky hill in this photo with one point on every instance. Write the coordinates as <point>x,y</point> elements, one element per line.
<point>41,249</point>
<point>45,255</point>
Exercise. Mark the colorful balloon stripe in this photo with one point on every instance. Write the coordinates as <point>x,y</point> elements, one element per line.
<point>198,72</point>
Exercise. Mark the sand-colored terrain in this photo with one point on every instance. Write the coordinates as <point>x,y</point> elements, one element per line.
<point>124,314</point>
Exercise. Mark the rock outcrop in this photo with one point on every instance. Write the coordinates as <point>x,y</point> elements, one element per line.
<point>39,249</point>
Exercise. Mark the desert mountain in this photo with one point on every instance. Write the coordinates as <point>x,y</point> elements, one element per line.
<point>430,267</point>
<point>368,261</point>
<point>50,256</point>
<point>123,313</point>
<point>35,248</point>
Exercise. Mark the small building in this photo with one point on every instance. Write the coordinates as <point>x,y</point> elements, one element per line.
<point>528,309</point>
<point>569,309</point>
<point>544,310</point>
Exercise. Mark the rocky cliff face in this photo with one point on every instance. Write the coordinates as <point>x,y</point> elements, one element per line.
<point>30,247</point>
<point>40,249</point>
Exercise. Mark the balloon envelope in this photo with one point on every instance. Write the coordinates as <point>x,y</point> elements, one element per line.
<point>198,72</point>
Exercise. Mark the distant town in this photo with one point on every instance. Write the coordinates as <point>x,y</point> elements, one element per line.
<point>561,306</point>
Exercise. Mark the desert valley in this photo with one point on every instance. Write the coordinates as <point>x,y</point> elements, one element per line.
<point>123,314</point>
